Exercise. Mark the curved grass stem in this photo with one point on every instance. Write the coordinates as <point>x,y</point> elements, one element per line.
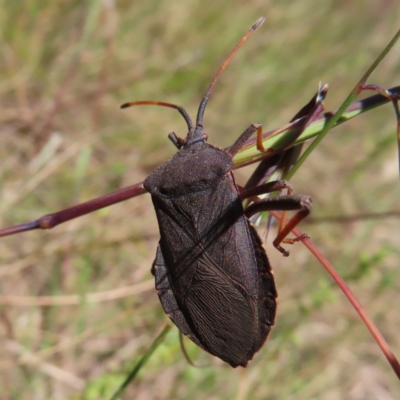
<point>380,340</point>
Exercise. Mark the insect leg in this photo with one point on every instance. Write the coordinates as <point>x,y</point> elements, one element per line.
<point>282,202</point>
<point>266,188</point>
<point>304,117</point>
<point>241,140</point>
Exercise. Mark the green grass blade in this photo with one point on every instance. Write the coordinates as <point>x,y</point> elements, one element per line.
<point>250,154</point>
<point>157,341</point>
<point>333,121</point>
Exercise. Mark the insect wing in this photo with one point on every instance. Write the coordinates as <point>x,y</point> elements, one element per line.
<point>208,246</point>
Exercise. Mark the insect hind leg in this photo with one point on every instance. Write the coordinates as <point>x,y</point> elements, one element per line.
<point>284,203</point>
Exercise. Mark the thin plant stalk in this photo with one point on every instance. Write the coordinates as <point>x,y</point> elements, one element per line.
<point>380,340</point>
<point>132,375</point>
<point>350,98</point>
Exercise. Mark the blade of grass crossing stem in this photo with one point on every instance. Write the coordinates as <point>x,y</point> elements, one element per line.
<point>250,153</point>
<point>344,106</point>
<point>397,111</point>
<point>157,341</point>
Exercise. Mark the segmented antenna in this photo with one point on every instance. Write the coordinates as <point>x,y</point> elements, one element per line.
<point>181,110</point>
<point>200,113</point>
<point>196,132</point>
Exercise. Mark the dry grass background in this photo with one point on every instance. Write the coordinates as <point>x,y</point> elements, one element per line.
<point>65,68</point>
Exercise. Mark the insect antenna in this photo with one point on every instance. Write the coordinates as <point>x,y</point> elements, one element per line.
<point>200,113</point>
<point>180,109</point>
<point>196,133</point>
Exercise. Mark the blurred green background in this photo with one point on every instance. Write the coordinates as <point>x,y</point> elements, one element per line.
<point>65,68</point>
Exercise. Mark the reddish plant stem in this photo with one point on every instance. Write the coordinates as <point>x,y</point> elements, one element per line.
<point>351,297</point>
